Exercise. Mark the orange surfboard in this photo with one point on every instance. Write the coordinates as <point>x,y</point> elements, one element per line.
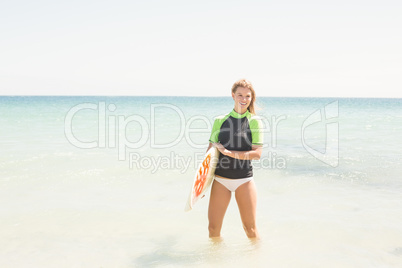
<point>204,176</point>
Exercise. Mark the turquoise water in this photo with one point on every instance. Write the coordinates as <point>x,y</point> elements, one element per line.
<point>102,182</point>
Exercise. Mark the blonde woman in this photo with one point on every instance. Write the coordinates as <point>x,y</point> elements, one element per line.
<point>238,137</point>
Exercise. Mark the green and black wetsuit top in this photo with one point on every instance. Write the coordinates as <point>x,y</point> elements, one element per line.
<point>236,132</point>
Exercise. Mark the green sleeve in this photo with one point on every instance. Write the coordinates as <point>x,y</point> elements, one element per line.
<point>215,130</point>
<point>257,134</point>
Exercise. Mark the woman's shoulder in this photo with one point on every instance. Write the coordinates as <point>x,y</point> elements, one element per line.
<point>222,117</point>
<point>254,117</point>
<point>255,120</point>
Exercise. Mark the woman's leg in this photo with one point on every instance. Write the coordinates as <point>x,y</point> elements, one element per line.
<point>218,203</point>
<point>246,198</point>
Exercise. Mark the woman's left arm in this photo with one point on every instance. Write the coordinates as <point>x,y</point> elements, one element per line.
<point>253,154</point>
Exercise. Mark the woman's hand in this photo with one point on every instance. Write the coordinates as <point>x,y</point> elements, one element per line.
<point>221,149</point>
<point>253,154</point>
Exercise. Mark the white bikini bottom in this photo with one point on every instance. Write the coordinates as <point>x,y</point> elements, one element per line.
<point>232,184</point>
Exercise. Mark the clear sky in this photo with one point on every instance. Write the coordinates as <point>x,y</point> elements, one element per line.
<point>285,48</point>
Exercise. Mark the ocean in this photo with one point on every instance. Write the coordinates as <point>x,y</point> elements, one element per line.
<point>103,181</point>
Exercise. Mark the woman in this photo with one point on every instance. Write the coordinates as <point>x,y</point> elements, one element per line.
<point>239,139</point>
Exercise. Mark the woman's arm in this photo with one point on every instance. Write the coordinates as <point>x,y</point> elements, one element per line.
<point>254,154</point>
<point>209,146</point>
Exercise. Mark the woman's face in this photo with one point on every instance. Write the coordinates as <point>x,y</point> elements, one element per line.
<point>242,98</point>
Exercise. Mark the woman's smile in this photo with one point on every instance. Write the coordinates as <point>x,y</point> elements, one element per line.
<point>242,98</point>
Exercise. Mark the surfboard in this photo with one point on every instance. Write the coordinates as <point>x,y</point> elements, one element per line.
<point>204,176</point>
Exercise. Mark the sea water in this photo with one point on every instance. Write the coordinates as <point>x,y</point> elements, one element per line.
<point>103,181</point>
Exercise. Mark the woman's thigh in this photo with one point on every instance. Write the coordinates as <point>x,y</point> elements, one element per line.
<point>218,203</point>
<point>246,198</point>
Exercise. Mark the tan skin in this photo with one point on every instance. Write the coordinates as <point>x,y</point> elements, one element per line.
<point>246,194</point>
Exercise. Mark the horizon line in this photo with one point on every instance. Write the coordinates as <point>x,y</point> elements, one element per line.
<point>190,96</point>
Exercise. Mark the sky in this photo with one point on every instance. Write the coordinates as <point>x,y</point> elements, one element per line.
<point>287,48</point>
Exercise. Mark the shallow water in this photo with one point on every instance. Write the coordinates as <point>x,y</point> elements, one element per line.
<point>66,206</point>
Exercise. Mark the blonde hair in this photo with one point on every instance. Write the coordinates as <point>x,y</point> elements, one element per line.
<point>246,84</point>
